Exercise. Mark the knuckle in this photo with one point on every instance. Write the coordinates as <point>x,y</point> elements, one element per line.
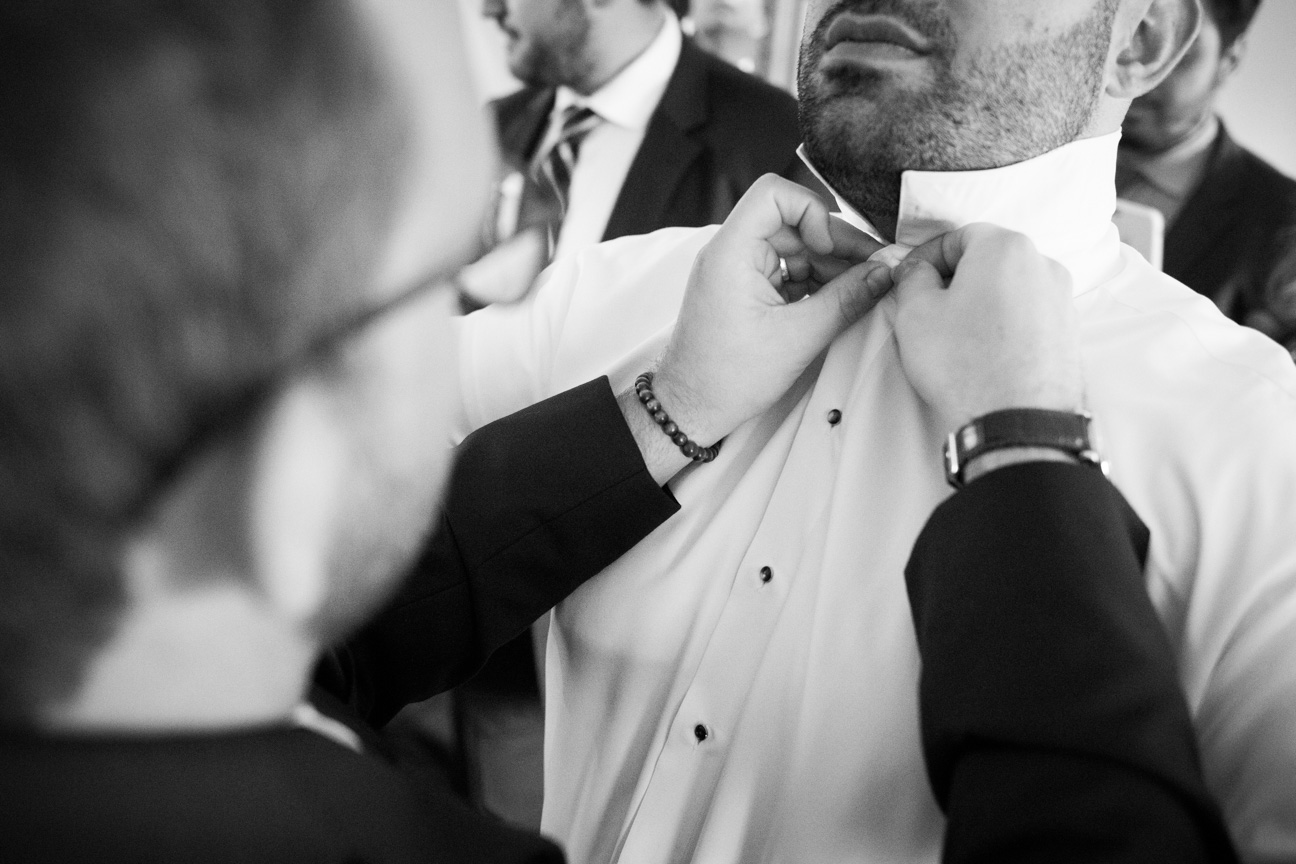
<point>1057,271</point>
<point>978,233</point>
<point>1018,244</point>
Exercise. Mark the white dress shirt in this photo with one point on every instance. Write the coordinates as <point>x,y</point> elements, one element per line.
<point>626,104</point>
<point>701,708</point>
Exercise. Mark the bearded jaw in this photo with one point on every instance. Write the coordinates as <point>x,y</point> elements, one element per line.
<point>560,56</point>
<point>854,145</point>
<point>1004,106</point>
<point>855,120</point>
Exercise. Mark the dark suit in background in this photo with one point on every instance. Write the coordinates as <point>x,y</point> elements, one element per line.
<point>715,130</point>
<point>1053,726</point>
<point>536,505</point>
<point>1235,240</point>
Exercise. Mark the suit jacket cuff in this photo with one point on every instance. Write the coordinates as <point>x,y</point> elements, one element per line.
<point>538,502</point>
<point>1037,635</point>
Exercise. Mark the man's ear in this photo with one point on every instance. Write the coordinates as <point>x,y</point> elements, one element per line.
<point>1154,46</point>
<point>1230,59</point>
<point>298,471</point>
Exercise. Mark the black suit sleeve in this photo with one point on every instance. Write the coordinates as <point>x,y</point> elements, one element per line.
<point>1052,721</point>
<point>538,503</point>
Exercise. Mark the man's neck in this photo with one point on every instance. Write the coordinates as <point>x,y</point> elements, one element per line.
<point>617,38</point>
<point>1131,147</point>
<point>209,659</point>
<point>884,218</point>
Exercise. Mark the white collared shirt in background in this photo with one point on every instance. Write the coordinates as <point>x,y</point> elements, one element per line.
<point>699,711</point>
<point>626,103</point>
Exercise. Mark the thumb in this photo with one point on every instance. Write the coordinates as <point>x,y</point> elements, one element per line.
<point>773,203</point>
<point>844,300</point>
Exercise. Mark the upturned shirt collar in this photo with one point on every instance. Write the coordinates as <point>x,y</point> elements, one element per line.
<point>1063,200</point>
<point>629,99</point>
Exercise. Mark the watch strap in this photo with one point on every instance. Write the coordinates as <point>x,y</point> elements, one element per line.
<point>1065,431</point>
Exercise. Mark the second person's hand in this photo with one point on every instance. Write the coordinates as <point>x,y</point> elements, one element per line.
<point>986,322</point>
<point>745,334</point>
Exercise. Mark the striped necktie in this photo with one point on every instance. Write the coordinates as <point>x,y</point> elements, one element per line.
<point>554,169</point>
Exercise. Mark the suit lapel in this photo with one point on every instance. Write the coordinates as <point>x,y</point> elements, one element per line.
<point>521,120</point>
<point>667,150</point>
<point>1210,211</point>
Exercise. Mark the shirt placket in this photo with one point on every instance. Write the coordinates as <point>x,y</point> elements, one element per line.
<point>701,735</point>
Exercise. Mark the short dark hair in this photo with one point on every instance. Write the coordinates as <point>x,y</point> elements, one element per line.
<point>1232,17</point>
<point>190,191</point>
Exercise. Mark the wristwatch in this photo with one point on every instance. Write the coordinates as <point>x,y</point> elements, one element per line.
<point>1020,427</point>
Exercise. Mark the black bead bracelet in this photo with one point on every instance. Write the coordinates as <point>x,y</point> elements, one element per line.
<point>690,448</point>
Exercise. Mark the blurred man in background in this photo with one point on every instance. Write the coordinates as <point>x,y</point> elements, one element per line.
<point>736,30</point>
<point>1230,217</point>
<point>627,124</point>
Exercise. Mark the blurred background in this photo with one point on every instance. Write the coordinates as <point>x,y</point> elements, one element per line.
<point>1259,102</point>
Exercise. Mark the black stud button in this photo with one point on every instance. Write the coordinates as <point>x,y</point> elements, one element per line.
<point>834,417</point>
<point>701,733</point>
<point>766,574</point>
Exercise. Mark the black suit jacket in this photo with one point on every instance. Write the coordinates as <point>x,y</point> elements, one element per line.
<point>1052,721</point>
<point>714,132</point>
<point>538,502</point>
<point>1234,235</point>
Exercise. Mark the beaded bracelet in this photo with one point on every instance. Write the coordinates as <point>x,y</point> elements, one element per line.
<point>691,449</point>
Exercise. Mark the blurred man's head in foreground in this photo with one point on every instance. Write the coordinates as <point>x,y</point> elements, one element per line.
<point>204,421</point>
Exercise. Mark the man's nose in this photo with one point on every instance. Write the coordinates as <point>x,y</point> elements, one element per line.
<point>493,8</point>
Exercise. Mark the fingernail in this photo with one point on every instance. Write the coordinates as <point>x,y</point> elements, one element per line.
<point>879,278</point>
<point>903,269</point>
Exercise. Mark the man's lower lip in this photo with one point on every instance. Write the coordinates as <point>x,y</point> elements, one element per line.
<point>870,53</point>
